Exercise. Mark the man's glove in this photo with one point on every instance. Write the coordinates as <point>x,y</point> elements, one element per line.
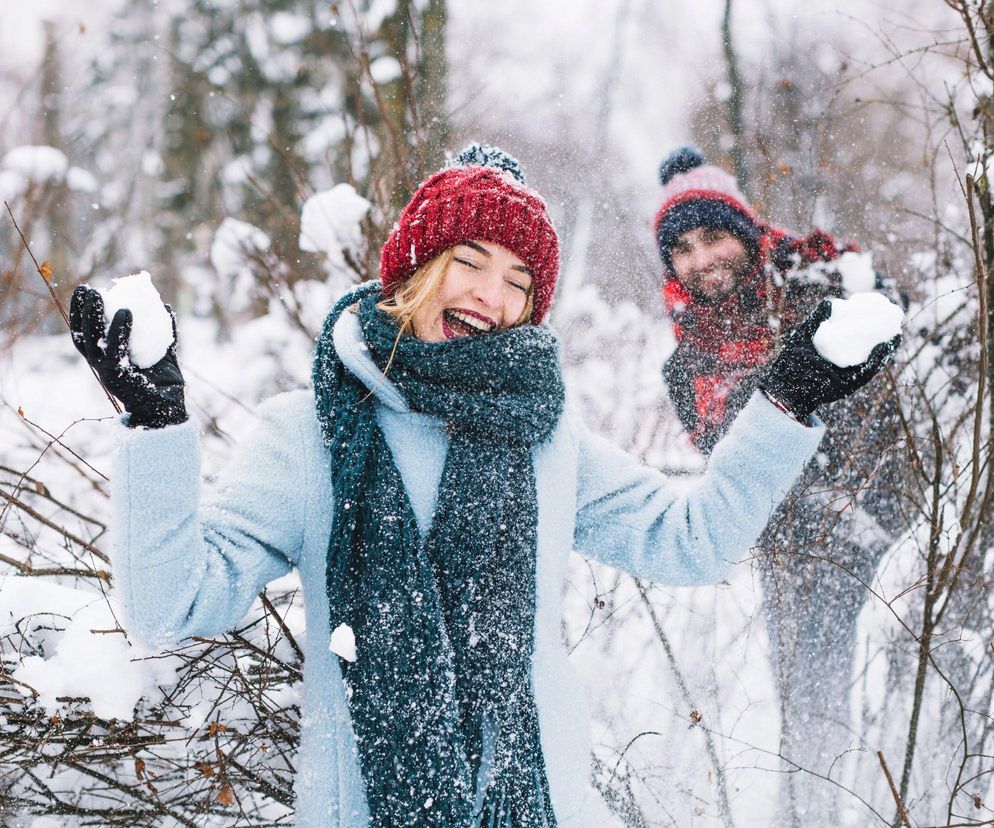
<point>154,395</point>
<point>802,379</point>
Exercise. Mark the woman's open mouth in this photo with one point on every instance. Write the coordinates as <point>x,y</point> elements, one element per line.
<point>461,322</point>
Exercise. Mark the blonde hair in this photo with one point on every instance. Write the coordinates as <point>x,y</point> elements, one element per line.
<point>422,286</point>
<point>419,288</point>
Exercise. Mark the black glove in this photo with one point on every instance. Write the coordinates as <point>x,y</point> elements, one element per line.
<point>154,395</point>
<point>802,379</point>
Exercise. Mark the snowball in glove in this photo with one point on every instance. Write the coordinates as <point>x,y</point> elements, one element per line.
<point>153,395</point>
<point>152,329</point>
<point>856,326</point>
<point>802,379</point>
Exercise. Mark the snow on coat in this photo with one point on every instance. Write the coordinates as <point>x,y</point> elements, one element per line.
<point>186,569</point>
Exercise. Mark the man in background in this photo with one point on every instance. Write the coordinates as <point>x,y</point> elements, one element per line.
<point>733,285</point>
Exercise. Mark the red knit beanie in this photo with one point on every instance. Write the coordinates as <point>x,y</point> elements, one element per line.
<point>482,196</point>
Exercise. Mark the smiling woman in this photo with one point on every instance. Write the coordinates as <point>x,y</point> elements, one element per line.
<point>472,288</point>
<point>430,490</point>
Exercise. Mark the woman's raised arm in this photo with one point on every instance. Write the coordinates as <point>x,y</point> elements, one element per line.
<point>188,570</point>
<point>689,531</point>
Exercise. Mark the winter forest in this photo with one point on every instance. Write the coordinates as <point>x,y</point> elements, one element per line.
<point>252,155</point>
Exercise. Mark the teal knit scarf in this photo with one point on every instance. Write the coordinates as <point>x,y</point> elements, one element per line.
<point>444,626</point>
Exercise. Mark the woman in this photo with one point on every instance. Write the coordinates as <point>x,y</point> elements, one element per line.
<point>430,490</point>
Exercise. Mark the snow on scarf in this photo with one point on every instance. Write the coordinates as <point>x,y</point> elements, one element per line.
<point>445,626</point>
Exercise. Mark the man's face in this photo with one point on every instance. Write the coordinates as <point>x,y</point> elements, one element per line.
<point>709,261</point>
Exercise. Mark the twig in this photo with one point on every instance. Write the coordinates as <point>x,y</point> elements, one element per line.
<point>982,334</point>
<point>396,142</point>
<point>724,807</point>
<point>282,625</point>
<point>936,526</point>
<point>53,441</point>
<point>28,569</point>
<point>58,303</point>
<point>281,795</point>
<point>46,279</point>
<point>58,441</point>
<point>734,99</point>
<point>20,504</point>
<point>44,492</point>
<point>893,789</point>
<point>255,648</point>
<point>978,52</point>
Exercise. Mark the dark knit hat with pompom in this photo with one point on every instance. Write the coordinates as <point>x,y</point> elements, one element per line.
<point>480,194</point>
<point>695,195</point>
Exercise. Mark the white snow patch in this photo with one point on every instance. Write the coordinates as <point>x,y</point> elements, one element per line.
<point>326,134</point>
<point>152,163</point>
<point>329,222</point>
<point>378,11</point>
<point>234,245</point>
<point>385,69</point>
<point>37,163</point>
<point>80,180</point>
<point>12,185</point>
<point>314,298</point>
<point>22,597</point>
<point>236,172</point>
<point>981,85</point>
<point>82,662</point>
<point>152,327</point>
<point>343,642</point>
<point>257,39</point>
<point>288,27</point>
<point>924,261</point>
<point>856,270</point>
<point>855,327</point>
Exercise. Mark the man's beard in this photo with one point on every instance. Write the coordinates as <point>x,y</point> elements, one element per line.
<point>740,272</point>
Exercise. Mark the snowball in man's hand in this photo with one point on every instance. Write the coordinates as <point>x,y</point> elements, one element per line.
<point>151,327</point>
<point>856,326</point>
<point>343,642</point>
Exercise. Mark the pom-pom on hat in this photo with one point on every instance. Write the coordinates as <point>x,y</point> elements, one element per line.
<point>696,194</point>
<point>479,194</point>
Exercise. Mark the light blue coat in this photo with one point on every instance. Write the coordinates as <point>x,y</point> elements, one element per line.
<point>184,569</point>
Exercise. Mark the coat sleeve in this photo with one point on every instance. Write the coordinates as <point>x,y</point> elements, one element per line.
<point>184,569</point>
<point>689,531</point>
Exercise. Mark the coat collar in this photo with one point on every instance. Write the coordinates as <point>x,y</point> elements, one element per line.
<point>352,350</point>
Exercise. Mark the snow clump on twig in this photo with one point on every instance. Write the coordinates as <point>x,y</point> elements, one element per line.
<point>330,223</point>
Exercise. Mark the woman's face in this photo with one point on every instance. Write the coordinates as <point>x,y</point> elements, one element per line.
<point>484,288</point>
